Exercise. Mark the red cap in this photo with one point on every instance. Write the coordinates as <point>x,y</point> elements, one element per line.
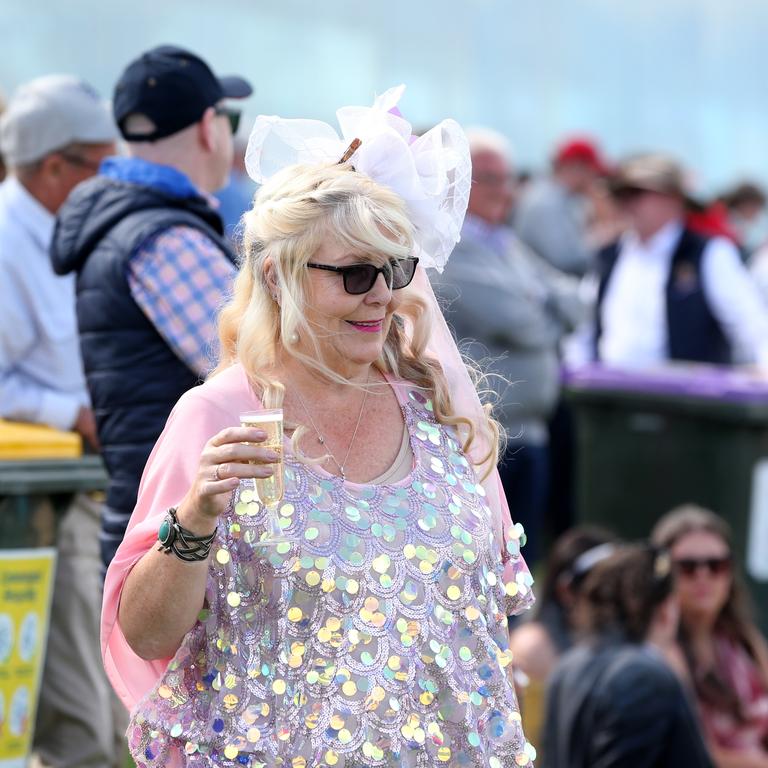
<point>582,150</point>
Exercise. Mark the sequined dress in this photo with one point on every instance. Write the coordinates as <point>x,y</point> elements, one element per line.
<point>376,637</point>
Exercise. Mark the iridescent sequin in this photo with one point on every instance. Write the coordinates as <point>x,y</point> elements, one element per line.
<point>377,636</point>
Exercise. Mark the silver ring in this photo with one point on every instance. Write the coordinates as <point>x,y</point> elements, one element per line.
<point>216,472</point>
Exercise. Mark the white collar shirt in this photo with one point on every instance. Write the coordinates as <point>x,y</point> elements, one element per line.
<point>634,311</point>
<point>634,308</point>
<point>41,372</point>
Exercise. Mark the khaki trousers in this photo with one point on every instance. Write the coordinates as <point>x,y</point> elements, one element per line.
<point>80,722</point>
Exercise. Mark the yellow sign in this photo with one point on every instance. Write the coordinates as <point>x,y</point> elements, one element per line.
<point>26,583</point>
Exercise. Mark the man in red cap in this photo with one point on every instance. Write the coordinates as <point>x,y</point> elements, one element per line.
<point>551,216</point>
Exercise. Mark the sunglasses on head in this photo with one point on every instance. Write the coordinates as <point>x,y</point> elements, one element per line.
<point>233,115</point>
<point>715,566</point>
<point>359,278</point>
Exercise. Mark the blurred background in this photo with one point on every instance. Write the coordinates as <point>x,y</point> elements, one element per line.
<point>679,75</point>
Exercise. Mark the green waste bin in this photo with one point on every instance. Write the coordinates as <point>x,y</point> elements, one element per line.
<point>647,441</point>
<point>24,482</point>
<point>33,492</point>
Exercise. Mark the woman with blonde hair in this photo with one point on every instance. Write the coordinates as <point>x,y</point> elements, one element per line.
<point>725,654</point>
<point>361,618</point>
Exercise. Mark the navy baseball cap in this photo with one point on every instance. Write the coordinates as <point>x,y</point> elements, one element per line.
<point>173,88</point>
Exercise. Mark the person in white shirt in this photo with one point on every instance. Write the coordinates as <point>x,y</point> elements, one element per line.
<point>41,377</point>
<point>664,292</point>
<point>53,135</point>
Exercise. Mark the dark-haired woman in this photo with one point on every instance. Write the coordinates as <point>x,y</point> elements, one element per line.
<point>613,701</point>
<point>727,658</point>
<point>537,644</point>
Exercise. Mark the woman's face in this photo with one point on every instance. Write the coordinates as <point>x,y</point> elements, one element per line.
<point>703,567</point>
<point>351,329</point>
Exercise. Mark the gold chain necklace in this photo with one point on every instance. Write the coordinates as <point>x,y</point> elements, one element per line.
<point>320,437</point>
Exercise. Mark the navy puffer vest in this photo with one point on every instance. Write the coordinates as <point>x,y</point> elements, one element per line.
<point>134,378</point>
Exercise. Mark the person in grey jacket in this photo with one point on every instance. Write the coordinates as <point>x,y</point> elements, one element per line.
<point>552,215</point>
<point>509,310</point>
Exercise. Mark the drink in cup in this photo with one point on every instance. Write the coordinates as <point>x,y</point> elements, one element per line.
<point>269,489</point>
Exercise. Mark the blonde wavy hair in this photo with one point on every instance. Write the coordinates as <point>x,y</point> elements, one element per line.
<point>293,213</point>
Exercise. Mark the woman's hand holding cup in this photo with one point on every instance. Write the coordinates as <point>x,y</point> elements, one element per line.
<point>232,455</point>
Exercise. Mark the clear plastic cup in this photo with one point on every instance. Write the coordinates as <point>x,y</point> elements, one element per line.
<point>270,490</point>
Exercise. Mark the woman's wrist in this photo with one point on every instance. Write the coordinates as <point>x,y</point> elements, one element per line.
<point>186,544</point>
<point>196,522</point>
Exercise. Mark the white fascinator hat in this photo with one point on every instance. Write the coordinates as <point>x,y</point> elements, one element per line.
<point>431,173</point>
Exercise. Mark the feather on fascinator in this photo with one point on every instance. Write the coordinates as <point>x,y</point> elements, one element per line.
<point>431,173</point>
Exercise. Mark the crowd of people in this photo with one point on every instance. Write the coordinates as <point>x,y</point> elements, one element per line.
<point>408,303</point>
<point>645,654</point>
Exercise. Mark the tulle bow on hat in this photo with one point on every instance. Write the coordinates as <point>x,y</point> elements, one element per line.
<point>431,173</point>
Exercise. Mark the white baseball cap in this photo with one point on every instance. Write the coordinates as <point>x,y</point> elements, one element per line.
<point>49,113</point>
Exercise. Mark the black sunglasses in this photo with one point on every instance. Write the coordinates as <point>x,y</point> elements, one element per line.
<point>715,566</point>
<point>495,179</point>
<point>628,194</point>
<point>233,115</point>
<point>359,278</point>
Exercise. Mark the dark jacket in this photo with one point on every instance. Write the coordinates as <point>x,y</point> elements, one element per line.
<point>133,376</point>
<point>694,333</point>
<point>616,704</point>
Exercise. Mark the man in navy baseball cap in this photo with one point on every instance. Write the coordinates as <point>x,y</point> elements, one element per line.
<point>172,88</point>
<point>153,264</point>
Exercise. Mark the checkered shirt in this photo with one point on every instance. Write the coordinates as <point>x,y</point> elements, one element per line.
<point>180,279</point>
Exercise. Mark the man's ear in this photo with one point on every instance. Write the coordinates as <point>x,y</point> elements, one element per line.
<point>206,130</point>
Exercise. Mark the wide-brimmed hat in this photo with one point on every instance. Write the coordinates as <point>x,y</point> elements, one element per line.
<point>650,172</point>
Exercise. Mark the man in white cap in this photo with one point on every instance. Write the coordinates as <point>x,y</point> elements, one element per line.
<point>53,135</point>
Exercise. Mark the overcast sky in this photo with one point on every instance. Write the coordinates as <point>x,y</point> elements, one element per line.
<point>686,76</point>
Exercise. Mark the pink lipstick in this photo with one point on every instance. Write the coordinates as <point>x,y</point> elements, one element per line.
<point>371,326</point>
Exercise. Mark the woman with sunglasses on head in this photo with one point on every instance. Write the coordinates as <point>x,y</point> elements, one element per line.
<point>369,626</point>
<point>727,657</point>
